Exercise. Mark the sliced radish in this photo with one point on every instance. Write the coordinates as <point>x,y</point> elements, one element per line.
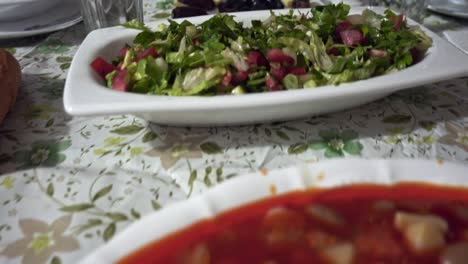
<point>351,37</point>
<point>241,76</point>
<point>256,58</point>
<point>298,71</point>
<point>272,84</point>
<point>122,52</point>
<point>397,21</point>
<point>119,83</point>
<point>277,55</point>
<point>377,53</point>
<point>342,27</point>
<point>278,72</point>
<point>145,53</point>
<point>227,78</point>
<point>102,67</point>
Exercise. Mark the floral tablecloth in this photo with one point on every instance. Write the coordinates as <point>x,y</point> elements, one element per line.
<point>70,184</point>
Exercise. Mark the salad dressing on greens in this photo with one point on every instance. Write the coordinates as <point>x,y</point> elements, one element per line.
<point>325,46</point>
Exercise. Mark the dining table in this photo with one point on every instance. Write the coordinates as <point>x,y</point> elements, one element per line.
<point>69,184</point>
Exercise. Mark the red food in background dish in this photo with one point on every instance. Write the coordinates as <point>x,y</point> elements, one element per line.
<point>363,224</point>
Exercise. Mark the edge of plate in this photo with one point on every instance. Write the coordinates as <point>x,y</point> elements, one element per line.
<point>75,19</point>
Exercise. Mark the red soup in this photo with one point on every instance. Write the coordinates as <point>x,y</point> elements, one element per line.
<point>406,223</point>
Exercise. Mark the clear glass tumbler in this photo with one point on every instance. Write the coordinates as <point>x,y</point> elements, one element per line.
<point>415,9</point>
<point>105,13</point>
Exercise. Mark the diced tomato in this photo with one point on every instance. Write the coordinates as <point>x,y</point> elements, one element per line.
<point>351,37</point>
<point>380,243</point>
<point>227,78</point>
<point>377,53</point>
<point>272,84</point>
<point>397,21</point>
<point>298,71</point>
<point>278,72</point>
<point>241,76</point>
<point>256,58</point>
<point>119,66</point>
<point>122,52</point>
<point>277,55</point>
<point>145,53</point>
<point>342,27</point>
<point>119,83</point>
<point>102,67</point>
<point>229,261</point>
<point>301,256</point>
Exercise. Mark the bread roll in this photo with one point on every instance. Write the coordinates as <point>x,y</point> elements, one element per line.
<point>10,81</point>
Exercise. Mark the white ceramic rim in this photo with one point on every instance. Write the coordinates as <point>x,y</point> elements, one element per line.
<point>251,187</point>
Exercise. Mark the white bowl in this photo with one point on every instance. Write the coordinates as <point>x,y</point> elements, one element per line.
<point>22,9</point>
<point>85,92</point>
<point>249,188</point>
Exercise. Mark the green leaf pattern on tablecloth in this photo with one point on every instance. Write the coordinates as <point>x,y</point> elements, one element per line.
<point>86,179</point>
<point>336,143</point>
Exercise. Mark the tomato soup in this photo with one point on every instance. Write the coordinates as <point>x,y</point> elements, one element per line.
<point>405,223</point>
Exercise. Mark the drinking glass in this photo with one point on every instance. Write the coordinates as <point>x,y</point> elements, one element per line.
<point>415,9</point>
<point>105,13</point>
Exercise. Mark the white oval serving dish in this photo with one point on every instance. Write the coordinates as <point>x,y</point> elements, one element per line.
<point>85,93</point>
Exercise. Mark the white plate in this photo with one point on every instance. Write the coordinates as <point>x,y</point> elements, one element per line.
<point>85,93</point>
<point>12,10</point>
<point>456,8</point>
<point>63,15</point>
<point>248,188</point>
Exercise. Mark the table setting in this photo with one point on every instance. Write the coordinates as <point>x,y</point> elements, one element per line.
<point>85,169</point>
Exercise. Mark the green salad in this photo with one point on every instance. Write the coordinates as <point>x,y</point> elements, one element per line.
<point>325,46</point>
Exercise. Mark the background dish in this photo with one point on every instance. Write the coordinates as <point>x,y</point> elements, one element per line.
<point>16,10</point>
<point>85,94</point>
<point>63,15</point>
<point>256,186</point>
<point>456,8</point>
